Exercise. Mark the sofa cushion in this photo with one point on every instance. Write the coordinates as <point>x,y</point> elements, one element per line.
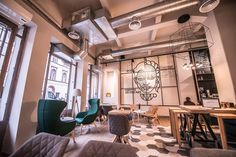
<point>107,149</point>
<point>43,144</point>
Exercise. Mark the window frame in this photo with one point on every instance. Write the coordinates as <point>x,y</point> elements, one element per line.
<point>17,66</point>
<point>91,72</point>
<point>50,55</point>
<point>8,52</point>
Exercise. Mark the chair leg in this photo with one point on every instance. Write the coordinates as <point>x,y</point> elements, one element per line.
<point>73,135</point>
<point>115,139</point>
<point>126,139</point>
<point>95,124</point>
<point>81,127</point>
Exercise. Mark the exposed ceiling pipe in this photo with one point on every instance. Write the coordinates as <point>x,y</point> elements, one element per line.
<point>154,46</point>
<point>152,11</point>
<point>83,51</point>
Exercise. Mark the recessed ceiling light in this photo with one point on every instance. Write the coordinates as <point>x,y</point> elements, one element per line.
<point>135,23</point>
<point>208,5</point>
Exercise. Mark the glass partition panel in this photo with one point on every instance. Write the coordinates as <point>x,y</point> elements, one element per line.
<point>126,97</point>
<point>126,81</point>
<point>170,96</point>
<point>126,66</point>
<point>166,62</point>
<point>168,78</point>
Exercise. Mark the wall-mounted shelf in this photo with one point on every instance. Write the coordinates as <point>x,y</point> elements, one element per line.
<point>204,76</point>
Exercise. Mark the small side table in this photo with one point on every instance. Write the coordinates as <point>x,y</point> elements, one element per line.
<point>69,119</point>
<point>138,113</point>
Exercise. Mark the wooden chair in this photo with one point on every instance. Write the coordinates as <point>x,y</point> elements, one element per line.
<point>152,114</point>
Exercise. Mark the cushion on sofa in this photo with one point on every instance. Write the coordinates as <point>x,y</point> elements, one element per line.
<point>107,149</point>
<point>43,144</point>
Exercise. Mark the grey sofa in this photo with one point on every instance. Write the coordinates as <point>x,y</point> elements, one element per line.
<point>107,149</point>
<point>48,145</point>
<point>207,152</point>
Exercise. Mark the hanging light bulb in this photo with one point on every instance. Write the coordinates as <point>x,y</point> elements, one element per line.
<point>197,63</point>
<point>190,64</point>
<point>185,65</point>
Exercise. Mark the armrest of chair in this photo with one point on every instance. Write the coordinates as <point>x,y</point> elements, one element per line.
<point>206,152</point>
<point>101,149</point>
<point>81,114</point>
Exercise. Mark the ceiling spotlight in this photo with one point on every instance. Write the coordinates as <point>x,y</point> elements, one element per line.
<point>208,5</point>
<point>74,35</point>
<point>135,23</point>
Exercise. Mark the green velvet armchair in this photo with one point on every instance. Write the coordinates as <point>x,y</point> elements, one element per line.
<point>49,120</point>
<point>88,117</point>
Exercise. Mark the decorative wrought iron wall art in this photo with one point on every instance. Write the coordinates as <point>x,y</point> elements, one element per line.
<point>147,79</point>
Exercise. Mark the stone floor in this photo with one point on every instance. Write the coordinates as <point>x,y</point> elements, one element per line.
<point>148,139</point>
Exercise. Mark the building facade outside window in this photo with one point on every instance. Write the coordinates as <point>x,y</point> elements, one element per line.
<point>64,76</point>
<point>57,81</point>
<point>92,83</point>
<point>53,73</point>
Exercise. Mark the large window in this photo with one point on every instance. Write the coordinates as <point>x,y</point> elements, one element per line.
<point>92,83</point>
<point>11,44</point>
<point>60,78</point>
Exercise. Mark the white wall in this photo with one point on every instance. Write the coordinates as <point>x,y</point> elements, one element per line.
<point>111,84</point>
<point>23,118</point>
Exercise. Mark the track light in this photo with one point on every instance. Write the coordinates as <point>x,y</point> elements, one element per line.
<point>208,5</point>
<point>74,35</point>
<point>135,23</point>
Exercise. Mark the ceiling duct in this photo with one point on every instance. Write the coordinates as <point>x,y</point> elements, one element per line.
<point>155,46</point>
<point>14,11</point>
<point>152,11</point>
<point>83,51</point>
<point>82,22</point>
<point>101,19</point>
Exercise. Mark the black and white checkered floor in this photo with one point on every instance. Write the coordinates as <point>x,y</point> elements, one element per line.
<point>155,141</point>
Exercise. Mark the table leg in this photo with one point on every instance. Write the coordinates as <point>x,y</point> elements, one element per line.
<point>211,131</point>
<point>222,131</point>
<point>177,129</point>
<point>195,120</point>
<point>202,131</point>
<point>172,123</point>
<point>138,117</point>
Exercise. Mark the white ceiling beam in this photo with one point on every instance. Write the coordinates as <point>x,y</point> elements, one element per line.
<point>119,44</point>
<point>154,32</point>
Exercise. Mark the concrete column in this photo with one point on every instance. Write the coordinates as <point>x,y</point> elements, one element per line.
<point>222,25</point>
<point>82,76</point>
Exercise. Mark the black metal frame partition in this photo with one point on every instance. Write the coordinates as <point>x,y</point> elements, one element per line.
<point>161,87</point>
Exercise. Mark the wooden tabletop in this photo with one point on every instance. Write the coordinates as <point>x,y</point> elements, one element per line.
<point>115,112</point>
<point>201,109</point>
<point>224,115</point>
<point>174,108</point>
